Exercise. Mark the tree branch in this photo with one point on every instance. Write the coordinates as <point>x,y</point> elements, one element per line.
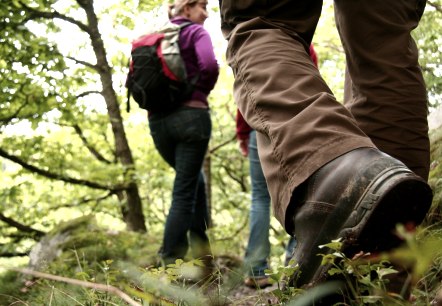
<point>91,149</point>
<point>231,173</point>
<point>55,176</point>
<point>36,14</point>
<point>86,93</point>
<point>435,6</point>
<point>236,233</point>
<point>87,64</point>
<point>21,227</point>
<point>13,254</point>
<point>214,149</point>
<point>103,134</point>
<point>17,236</point>
<point>6,120</point>
<point>84,201</point>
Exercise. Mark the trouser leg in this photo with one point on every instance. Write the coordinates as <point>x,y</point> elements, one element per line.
<point>385,89</point>
<point>258,246</point>
<point>282,95</point>
<point>198,239</point>
<point>182,139</point>
<point>182,211</point>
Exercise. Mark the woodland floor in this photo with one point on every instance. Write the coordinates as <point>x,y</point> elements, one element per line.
<point>235,293</point>
<point>232,291</point>
<point>245,296</point>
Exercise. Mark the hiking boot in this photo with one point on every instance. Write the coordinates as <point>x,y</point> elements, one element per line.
<point>359,197</point>
<point>257,282</point>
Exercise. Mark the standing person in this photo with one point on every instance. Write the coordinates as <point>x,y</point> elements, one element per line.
<point>258,246</point>
<point>182,138</point>
<point>324,163</point>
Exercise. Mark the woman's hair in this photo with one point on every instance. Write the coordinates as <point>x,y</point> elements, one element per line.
<point>177,7</point>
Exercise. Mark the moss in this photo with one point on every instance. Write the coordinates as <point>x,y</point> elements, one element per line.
<point>85,223</point>
<point>90,248</point>
<point>90,253</point>
<point>10,287</point>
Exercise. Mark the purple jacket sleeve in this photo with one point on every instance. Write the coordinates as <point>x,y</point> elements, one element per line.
<point>207,64</point>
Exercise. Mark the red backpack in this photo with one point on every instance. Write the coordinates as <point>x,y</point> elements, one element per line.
<point>157,78</point>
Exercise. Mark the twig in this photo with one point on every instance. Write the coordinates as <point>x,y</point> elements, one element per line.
<point>101,287</point>
<point>214,149</point>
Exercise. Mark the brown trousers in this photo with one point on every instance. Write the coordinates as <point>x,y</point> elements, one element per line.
<point>282,95</point>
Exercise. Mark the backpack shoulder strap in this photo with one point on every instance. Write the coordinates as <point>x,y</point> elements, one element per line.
<point>185,24</point>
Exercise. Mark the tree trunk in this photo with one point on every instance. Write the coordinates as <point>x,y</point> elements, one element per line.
<point>132,207</point>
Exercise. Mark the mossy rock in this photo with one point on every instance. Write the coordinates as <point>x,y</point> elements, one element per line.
<point>82,242</point>
<point>83,250</point>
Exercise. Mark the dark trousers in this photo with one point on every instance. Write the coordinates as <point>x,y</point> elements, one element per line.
<point>282,95</point>
<point>182,139</point>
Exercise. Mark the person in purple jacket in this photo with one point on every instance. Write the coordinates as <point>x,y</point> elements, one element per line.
<point>182,138</point>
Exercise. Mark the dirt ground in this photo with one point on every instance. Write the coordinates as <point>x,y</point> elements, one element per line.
<point>229,289</point>
<point>245,296</point>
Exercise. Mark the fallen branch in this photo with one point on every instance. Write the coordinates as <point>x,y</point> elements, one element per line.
<point>101,287</point>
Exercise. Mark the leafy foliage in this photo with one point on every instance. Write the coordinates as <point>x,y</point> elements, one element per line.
<point>429,42</point>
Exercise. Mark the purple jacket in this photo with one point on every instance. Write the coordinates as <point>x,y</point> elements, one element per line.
<point>197,52</point>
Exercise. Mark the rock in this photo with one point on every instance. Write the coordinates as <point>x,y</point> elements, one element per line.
<point>53,244</point>
<point>45,251</point>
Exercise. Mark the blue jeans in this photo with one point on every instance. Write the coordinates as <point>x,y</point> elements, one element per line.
<point>182,138</point>
<point>258,247</point>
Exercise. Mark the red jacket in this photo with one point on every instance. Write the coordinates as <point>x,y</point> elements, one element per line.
<point>242,128</point>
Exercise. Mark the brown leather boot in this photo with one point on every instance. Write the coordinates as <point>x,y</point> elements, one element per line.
<point>360,197</point>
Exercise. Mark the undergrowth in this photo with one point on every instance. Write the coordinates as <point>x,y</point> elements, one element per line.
<point>110,259</point>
